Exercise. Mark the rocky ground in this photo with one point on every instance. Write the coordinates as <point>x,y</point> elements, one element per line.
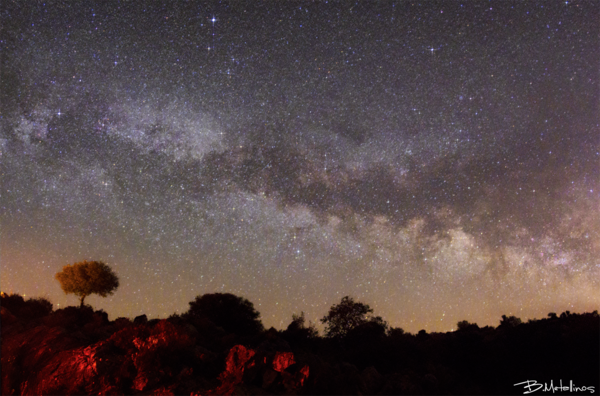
<point>75,351</point>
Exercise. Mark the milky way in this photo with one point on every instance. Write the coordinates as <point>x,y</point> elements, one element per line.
<point>438,161</point>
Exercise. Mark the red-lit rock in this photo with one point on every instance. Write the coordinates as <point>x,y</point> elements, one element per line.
<point>162,338</point>
<point>57,368</point>
<point>237,361</point>
<point>283,360</point>
<point>49,360</point>
<point>90,356</point>
<point>304,371</point>
<point>293,379</point>
<point>272,373</point>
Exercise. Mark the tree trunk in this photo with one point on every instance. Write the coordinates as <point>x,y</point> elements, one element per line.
<point>82,298</point>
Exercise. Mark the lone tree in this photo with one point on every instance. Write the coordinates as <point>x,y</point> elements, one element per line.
<point>349,315</point>
<point>88,277</point>
<point>234,314</point>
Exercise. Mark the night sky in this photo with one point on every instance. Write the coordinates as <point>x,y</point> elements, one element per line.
<point>439,161</point>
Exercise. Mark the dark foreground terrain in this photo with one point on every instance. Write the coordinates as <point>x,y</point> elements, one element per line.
<point>75,351</point>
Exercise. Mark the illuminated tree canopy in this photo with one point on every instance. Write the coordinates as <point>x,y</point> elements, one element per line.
<point>88,277</point>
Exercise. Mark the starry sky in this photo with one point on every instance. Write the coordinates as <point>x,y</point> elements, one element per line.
<point>439,161</point>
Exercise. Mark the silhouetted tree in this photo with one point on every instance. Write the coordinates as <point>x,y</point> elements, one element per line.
<point>88,277</point>
<point>348,315</point>
<point>299,327</point>
<point>510,321</point>
<point>552,315</point>
<point>234,314</point>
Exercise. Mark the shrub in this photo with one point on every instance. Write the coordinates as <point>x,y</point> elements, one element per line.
<point>232,313</point>
<point>31,308</point>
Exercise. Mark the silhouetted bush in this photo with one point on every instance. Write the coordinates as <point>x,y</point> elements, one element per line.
<point>565,314</point>
<point>464,325</point>
<point>368,332</point>
<point>395,332</point>
<point>70,317</point>
<point>31,308</point>
<point>234,314</point>
<point>12,302</point>
<point>510,321</point>
<point>298,332</point>
<point>422,335</point>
